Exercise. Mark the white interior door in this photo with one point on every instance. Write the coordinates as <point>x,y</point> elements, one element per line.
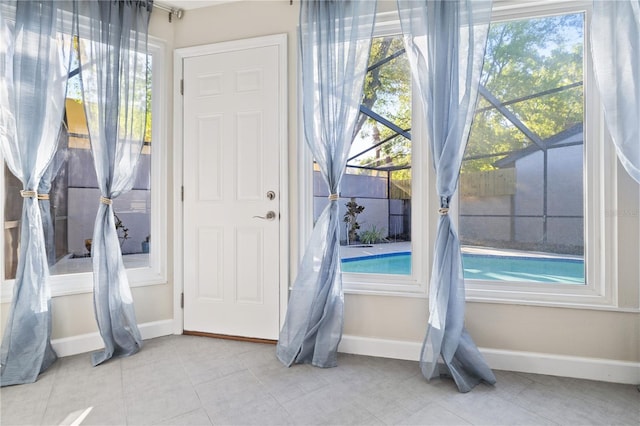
<point>232,110</point>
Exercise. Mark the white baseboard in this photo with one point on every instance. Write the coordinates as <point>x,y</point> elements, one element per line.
<point>92,341</point>
<point>526,362</point>
<point>605,370</point>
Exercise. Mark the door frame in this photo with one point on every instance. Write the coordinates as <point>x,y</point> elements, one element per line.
<point>179,55</point>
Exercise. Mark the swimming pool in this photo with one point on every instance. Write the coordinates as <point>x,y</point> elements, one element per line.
<point>480,267</point>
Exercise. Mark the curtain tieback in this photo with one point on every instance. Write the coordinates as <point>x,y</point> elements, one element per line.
<point>28,194</point>
<point>443,211</point>
<point>33,194</point>
<point>105,200</point>
<point>333,197</point>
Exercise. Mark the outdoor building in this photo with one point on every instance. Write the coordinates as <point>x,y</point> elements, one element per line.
<point>390,216</point>
<point>492,203</point>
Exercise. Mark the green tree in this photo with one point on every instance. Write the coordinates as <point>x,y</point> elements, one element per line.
<point>387,92</point>
<point>524,59</point>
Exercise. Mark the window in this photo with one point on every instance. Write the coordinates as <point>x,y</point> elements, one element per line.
<point>140,214</point>
<point>379,193</point>
<point>521,186</point>
<point>539,128</point>
<point>537,172</point>
<point>376,188</point>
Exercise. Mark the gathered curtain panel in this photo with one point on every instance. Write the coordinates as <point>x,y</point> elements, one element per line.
<point>615,47</point>
<point>34,64</point>
<point>59,159</point>
<point>445,43</point>
<point>113,74</point>
<point>335,39</point>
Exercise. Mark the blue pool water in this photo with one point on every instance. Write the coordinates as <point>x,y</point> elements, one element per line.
<point>480,267</point>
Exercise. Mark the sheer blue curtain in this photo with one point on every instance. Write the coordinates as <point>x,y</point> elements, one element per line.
<point>113,72</point>
<point>615,46</point>
<point>445,42</point>
<point>335,38</point>
<point>34,64</point>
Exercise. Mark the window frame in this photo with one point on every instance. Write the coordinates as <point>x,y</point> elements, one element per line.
<point>600,193</point>
<point>156,271</point>
<point>599,187</point>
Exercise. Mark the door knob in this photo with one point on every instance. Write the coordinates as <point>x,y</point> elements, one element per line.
<point>269,216</point>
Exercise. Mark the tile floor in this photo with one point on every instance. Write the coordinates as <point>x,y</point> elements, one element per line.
<point>188,380</point>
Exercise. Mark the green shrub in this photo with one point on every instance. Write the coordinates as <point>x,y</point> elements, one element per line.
<point>373,235</point>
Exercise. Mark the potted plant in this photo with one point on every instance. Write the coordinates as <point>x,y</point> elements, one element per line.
<point>145,244</point>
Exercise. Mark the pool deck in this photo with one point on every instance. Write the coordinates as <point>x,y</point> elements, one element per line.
<point>360,250</point>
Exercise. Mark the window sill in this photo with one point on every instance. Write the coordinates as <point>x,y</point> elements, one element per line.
<point>384,285</point>
<point>548,295</point>
<point>584,300</point>
<point>78,265</point>
<point>73,276</point>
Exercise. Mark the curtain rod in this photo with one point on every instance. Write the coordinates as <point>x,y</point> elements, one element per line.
<point>178,13</point>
